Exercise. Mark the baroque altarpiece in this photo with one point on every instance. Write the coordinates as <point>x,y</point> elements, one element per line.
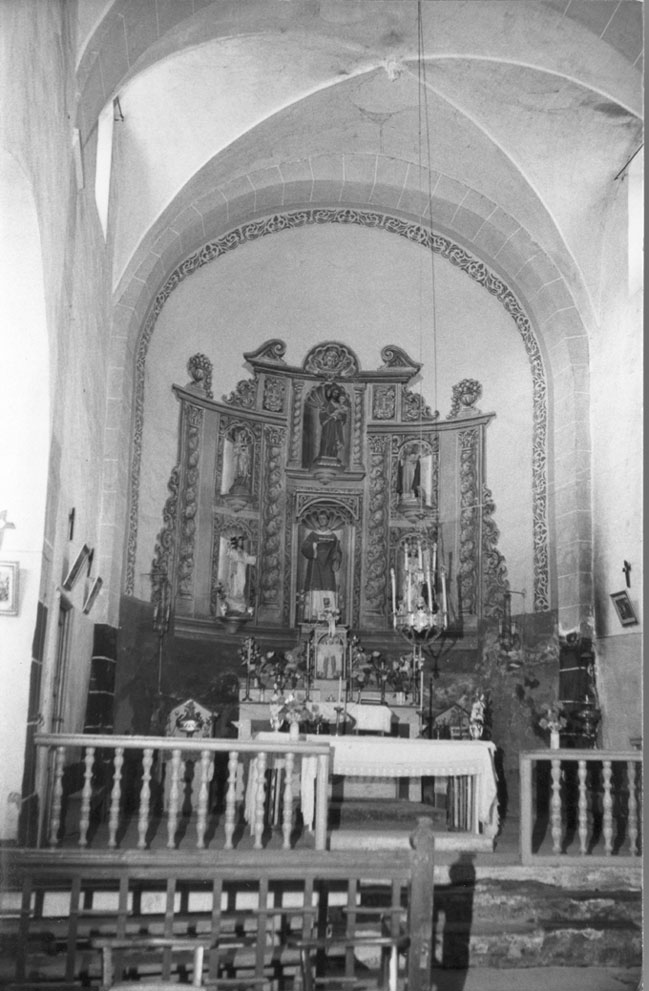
<point>298,497</point>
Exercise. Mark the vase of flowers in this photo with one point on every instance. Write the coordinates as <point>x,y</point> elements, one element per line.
<point>477,717</point>
<point>553,720</point>
<point>289,710</point>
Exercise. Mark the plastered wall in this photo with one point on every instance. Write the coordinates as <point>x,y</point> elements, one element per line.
<point>617,439</point>
<point>56,371</point>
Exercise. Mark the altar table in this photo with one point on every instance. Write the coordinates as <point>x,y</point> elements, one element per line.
<point>391,757</point>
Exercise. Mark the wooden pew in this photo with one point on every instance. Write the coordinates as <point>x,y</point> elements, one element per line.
<point>261,916</point>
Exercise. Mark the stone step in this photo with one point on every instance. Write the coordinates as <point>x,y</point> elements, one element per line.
<point>531,924</point>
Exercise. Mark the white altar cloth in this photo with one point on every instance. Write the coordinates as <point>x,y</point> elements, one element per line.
<point>370,718</point>
<point>392,757</point>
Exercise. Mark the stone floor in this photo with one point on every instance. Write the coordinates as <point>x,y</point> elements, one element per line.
<point>538,979</point>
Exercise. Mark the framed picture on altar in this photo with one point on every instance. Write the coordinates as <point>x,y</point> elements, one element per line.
<point>624,608</point>
<point>329,660</point>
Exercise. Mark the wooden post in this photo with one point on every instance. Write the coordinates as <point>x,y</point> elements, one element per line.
<point>525,771</point>
<point>321,791</point>
<point>633,810</point>
<point>420,956</point>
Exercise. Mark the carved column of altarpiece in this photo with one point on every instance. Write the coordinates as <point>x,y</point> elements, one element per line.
<point>258,472</point>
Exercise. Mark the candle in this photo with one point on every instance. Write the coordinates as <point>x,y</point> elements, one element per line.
<point>340,689</point>
<point>419,554</point>
<point>430,593</point>
<point>434,557</point>
<point>393,579</point>
<point>444,609</point>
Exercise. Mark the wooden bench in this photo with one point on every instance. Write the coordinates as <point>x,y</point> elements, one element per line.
<point>262,917</point>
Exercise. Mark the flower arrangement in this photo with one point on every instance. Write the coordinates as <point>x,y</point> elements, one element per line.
<point>552,717</point>
<point>289,710</point>
<point>283,668</point>
<point>401,676</point>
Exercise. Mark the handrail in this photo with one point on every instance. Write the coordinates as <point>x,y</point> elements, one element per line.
<point>586,804</point>
<point>217,744</point>
<point>179,750</point>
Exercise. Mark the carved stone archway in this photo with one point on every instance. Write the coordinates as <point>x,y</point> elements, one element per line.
<point>429,240</point>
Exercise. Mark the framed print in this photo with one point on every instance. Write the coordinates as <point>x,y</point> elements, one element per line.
<point>75,570</point>
<point>93,592</point>
<point>329,659</point>
<point>624,608</point>
<point>9,571</point>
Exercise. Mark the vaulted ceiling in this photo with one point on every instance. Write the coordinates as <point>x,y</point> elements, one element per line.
<point>234,110</point>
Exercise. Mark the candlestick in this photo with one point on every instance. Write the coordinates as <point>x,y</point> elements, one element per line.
<point>444,604</point>
<point>340,690</point>
<point>434,557</point>
<point>430,593</point>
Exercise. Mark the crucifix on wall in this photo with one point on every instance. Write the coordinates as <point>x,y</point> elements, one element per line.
<point>627,573</point>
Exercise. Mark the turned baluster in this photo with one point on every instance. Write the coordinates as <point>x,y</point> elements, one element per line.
<point>582,807</point>
<point>607,804</point>
<point>555,806</point>
<point>57,796</point>
<point>86,796</point>
<point>287,819</point>
<point>260,800</point>
<point>206,767</point>
<point>145,797</point>
<point>633,810</point>
<point>231,798</point>
<point>173,768</point>
<point>640,809</point>
<point>115,797</point>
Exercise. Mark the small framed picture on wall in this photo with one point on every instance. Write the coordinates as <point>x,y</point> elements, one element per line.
<point>9,571</point>
<point>624,608</point>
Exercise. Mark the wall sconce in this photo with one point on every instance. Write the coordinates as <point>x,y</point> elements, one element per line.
<point>93,592</point>
<point>73,574</point>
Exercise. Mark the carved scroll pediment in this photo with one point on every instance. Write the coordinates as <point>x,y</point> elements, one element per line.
<point>270,352</point>
<point>395,357</point>
<point>331,360</point>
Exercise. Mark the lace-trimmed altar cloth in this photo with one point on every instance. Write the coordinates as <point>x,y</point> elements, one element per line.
<point>390,757</point>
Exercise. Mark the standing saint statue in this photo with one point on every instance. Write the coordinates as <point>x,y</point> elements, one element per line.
<point>323,552</point>
<point>409,476</point>
<point>237,575</point>
<point>330,402</point>
<point>241,458</point>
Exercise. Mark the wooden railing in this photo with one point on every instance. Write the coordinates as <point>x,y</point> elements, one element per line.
<point>118,775</point>
<point>257,914</point>
<point>581,803</point>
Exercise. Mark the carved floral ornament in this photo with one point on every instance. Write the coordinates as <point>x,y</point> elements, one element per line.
<point>271,355</point>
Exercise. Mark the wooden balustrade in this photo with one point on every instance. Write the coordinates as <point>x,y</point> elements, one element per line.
<point>104,762</point>
<point>590,799</point>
